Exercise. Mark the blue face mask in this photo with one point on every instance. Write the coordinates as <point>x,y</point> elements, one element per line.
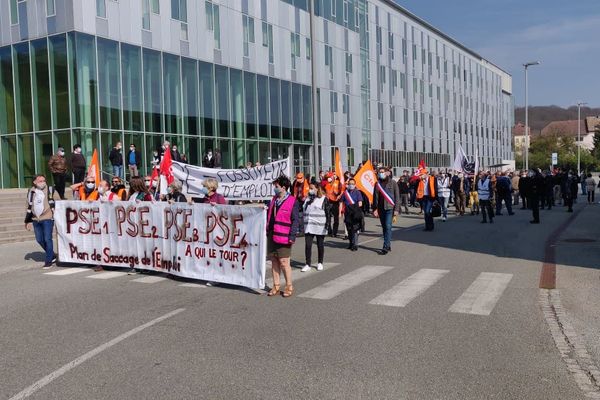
<point>276,190</point>
<point>382,175</point>
<point>204,190</point>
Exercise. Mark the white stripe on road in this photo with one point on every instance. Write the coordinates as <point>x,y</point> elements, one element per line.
<point>149,279</point>
<point>297,274</point>
<point>194,285</point>
<point>483,294</point>
<point>92,353</point>
<point>107,275</point>
<point>67,271</point>
<point>410,288</point>
<point>337,286</point>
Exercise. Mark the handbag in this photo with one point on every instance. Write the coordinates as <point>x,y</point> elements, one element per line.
<point>436,209</point>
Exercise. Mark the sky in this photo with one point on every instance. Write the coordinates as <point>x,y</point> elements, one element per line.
<point>563,35</point>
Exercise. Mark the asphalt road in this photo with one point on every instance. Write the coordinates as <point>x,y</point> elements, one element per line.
<point>462,321</point>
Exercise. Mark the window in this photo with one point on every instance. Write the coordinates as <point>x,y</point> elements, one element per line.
<point>14,12</point>
<point>308,48</point>
<point>294,47</point>
<point>146,15</point>
<point>155,6</point>
<point>50,8</point>
<point>208,6</point>
<point>265,34</point>
<point>329,60</point>
<point>213,22</point>
<point>179,10</point>
<point>101,8</point>
<point>248,33</point>
<point>348,62</point>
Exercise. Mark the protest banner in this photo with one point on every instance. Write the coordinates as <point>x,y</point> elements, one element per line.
<point>213,243</point>
<point>234,184</point>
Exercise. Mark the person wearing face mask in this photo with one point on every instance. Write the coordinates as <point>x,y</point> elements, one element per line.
<point>209,190</point>
<point>386,205</point>
<point>58,168</point>
<point>427,193</point>
<point>443,182</point>
<point>524,183</point>
<point>334,193</point>
<point>208,161</point>
<point>78,164</point>
<point>134,160</point>
<point>353,215</point>
<point>138,190</point>
<point>118,188</point>
<point>176,154</point>
<point>155,160</point>
<point>316,224</point>
<point>85,190</point>
<point>282,228</point>
<point>116,160</point>
<point>484,191</point>
<point>104,192</point>
<point>40,216</point>
<point>174,193</point>
<point>461,187</point>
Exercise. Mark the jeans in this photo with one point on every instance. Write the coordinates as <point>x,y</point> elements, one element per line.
<point>486,209</point>
<point>118,171</point>
<point>385,217</point>
<point>583,189</point>
<point>43,235</point>
<point>308,242</point>
<point>444,201</point>
<point>427,204</point>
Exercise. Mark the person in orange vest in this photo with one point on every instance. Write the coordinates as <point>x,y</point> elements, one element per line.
<point>333,190</point>
<point>86,190</point>
<point>427,191</point>
<point>118,188</point>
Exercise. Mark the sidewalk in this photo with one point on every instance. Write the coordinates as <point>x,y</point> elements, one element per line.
<point>578,275</point>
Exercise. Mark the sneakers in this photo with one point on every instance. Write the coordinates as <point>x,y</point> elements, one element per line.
<point>306,268</point>
<point>47,266</point>
<point>443,219</point>
<point>319,267</point>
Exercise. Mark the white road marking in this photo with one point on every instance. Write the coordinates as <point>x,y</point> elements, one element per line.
<point>67,271</point>
<point>107,275</point>
<point>410,288</point>
<point>483,294</point>
<point>149,279</point>
<point>194,285</point>
<point>339,285</point>
<point>297,274</point>
<point>92,353</point>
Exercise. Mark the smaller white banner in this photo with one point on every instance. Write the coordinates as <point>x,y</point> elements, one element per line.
<point>235,184</point>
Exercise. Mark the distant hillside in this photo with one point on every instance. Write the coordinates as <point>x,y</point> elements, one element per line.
<point>540,116</point>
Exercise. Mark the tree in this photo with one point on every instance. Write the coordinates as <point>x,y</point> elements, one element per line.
<point>542,147</point>
<point>596,150</point>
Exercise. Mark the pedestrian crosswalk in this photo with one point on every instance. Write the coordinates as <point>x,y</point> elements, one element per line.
<point>479,298</point>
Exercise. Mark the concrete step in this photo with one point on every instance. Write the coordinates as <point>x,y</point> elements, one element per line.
<point>12,219</point>
<point>16,239</point>
<point>11,227</point>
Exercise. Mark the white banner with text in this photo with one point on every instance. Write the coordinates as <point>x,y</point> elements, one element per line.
<point>224,244</point>
<point>234,184</point>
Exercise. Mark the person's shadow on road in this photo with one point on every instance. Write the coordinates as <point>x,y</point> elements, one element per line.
<point>35,256</point>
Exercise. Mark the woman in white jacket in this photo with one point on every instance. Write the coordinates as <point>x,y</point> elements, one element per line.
<point>443,181</point>
<point>316,224</point>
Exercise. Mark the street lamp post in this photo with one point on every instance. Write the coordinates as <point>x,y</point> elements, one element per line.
<point>579,104</point>
<point>527,65</point>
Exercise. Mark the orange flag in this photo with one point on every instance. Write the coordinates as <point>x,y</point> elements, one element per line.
<point>94,168</point>
<point>338,167</point>
<point>366,180</point>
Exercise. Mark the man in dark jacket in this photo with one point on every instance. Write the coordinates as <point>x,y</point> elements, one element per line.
<point>569,189</point>
<point>386,205</point>
<point>78,164</point>
<point>116,160</point>
<point>524,186</point>
<point>548,195</point>
<point>134,161</point>
<point>58,167</point>
<point>503,189</point>
<point>535,190</point>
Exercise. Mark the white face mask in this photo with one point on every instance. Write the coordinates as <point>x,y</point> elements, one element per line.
<point>77,151</point>
<point>90,185</point>
<point>61,153</point>
<point>101,190</point>
<point>329,180</point>
<point>41,186</point>
<point>312,192</point>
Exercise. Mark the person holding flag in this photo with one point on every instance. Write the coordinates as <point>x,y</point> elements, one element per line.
<point>427,193</point>
<point>386,205</point>
<point>353,214</point>
<point>87,190</point>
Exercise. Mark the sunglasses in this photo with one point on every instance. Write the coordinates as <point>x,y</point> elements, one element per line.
<point>90,182</point>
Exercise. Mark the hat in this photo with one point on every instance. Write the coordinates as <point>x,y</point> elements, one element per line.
<point>299,175</point>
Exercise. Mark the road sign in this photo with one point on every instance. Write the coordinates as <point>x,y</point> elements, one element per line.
<point>554,158</point>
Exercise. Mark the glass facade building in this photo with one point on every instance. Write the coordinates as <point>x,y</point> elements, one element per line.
<point>245,77</point>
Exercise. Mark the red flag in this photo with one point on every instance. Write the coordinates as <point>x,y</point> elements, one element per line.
<point>421,169</point>
<point>166,166</point>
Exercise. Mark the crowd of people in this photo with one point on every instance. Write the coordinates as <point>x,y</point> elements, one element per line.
<point>314,206</point>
